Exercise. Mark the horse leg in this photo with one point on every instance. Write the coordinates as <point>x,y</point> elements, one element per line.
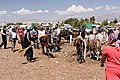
<point>47,51</point>
<point>81,57</point>
<point>51,49</point>
<point>54,49</point>
<point>94,53</point>
<point>84,53</point>
<point>78,55</point>
<point>91,54</point>
<point>47,48</point>
<point>43,51</point>
<point>97,53</point>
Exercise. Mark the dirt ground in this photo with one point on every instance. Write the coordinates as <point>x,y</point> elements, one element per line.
<point>63,67</point>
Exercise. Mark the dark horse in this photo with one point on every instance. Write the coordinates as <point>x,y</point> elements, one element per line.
<point>66,34</point>
<point>80,49</point>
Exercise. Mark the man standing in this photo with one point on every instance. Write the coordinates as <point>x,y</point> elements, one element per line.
<point>48,33</point>
<point>99,36</point>
<point>91,36</point>
<point>41,32</point>
<point>14,38</point>
<point>21,35</point>
<point>55,39</point>
<point>27,43</point>
<point>58,33</point>
<point>4,37</point>
<point>9,34</point>
<point>35,37</point>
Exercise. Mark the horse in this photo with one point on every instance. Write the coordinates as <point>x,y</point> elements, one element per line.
<point>45,42</point>
<point>66,34</point>
<point>79,44</point>
<point>78,34</point>
<point>94,47</point>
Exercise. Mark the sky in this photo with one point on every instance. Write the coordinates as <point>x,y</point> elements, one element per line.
<point>54,10</point>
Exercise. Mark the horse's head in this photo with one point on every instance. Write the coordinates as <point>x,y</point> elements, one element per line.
<point>75,34</point>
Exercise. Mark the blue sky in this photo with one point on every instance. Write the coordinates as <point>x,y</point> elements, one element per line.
<point>53,10</point>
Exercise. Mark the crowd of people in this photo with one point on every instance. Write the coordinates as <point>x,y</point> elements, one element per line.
<point>29,36</point>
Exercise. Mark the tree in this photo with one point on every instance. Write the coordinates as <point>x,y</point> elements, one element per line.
<point>8,24</point>
<point>111,23</point>
<point>115,21</point>
<point>82,20</point>
<point>62,23</point>
<point>82,25</point>
<point>19,23</point>
<point>50,25</point>
<point>92,19</point>
<point>35,24</point>
<point>72,21</point>
<point>105,22</point>
<point>76,24</point>
<point>86,20</point>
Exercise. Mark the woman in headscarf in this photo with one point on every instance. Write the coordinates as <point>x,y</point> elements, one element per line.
<point>112,55</point>
<point>117,44</point>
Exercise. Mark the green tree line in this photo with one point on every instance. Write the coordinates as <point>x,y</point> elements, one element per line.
<point>76,23</point>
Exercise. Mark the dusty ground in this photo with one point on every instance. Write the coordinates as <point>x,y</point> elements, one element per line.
<point>63,67</point>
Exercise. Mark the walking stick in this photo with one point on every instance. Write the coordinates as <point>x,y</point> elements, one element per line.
<point>22,51</point>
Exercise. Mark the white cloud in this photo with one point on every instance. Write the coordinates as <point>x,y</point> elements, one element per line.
<point>62,12</point>
<point>74,9</point>
<point>3,12</point>
<point>46,11</point>
<point>99,7</point>
<point>26,12</point>
<point>118,11</point>
<point>107,7</point>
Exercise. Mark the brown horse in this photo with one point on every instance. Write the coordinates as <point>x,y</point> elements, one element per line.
<point>94,47</point>
<point>45,42</point>
<point>80,49</point>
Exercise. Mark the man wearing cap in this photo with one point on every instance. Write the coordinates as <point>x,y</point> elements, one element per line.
<point>27,42</point>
